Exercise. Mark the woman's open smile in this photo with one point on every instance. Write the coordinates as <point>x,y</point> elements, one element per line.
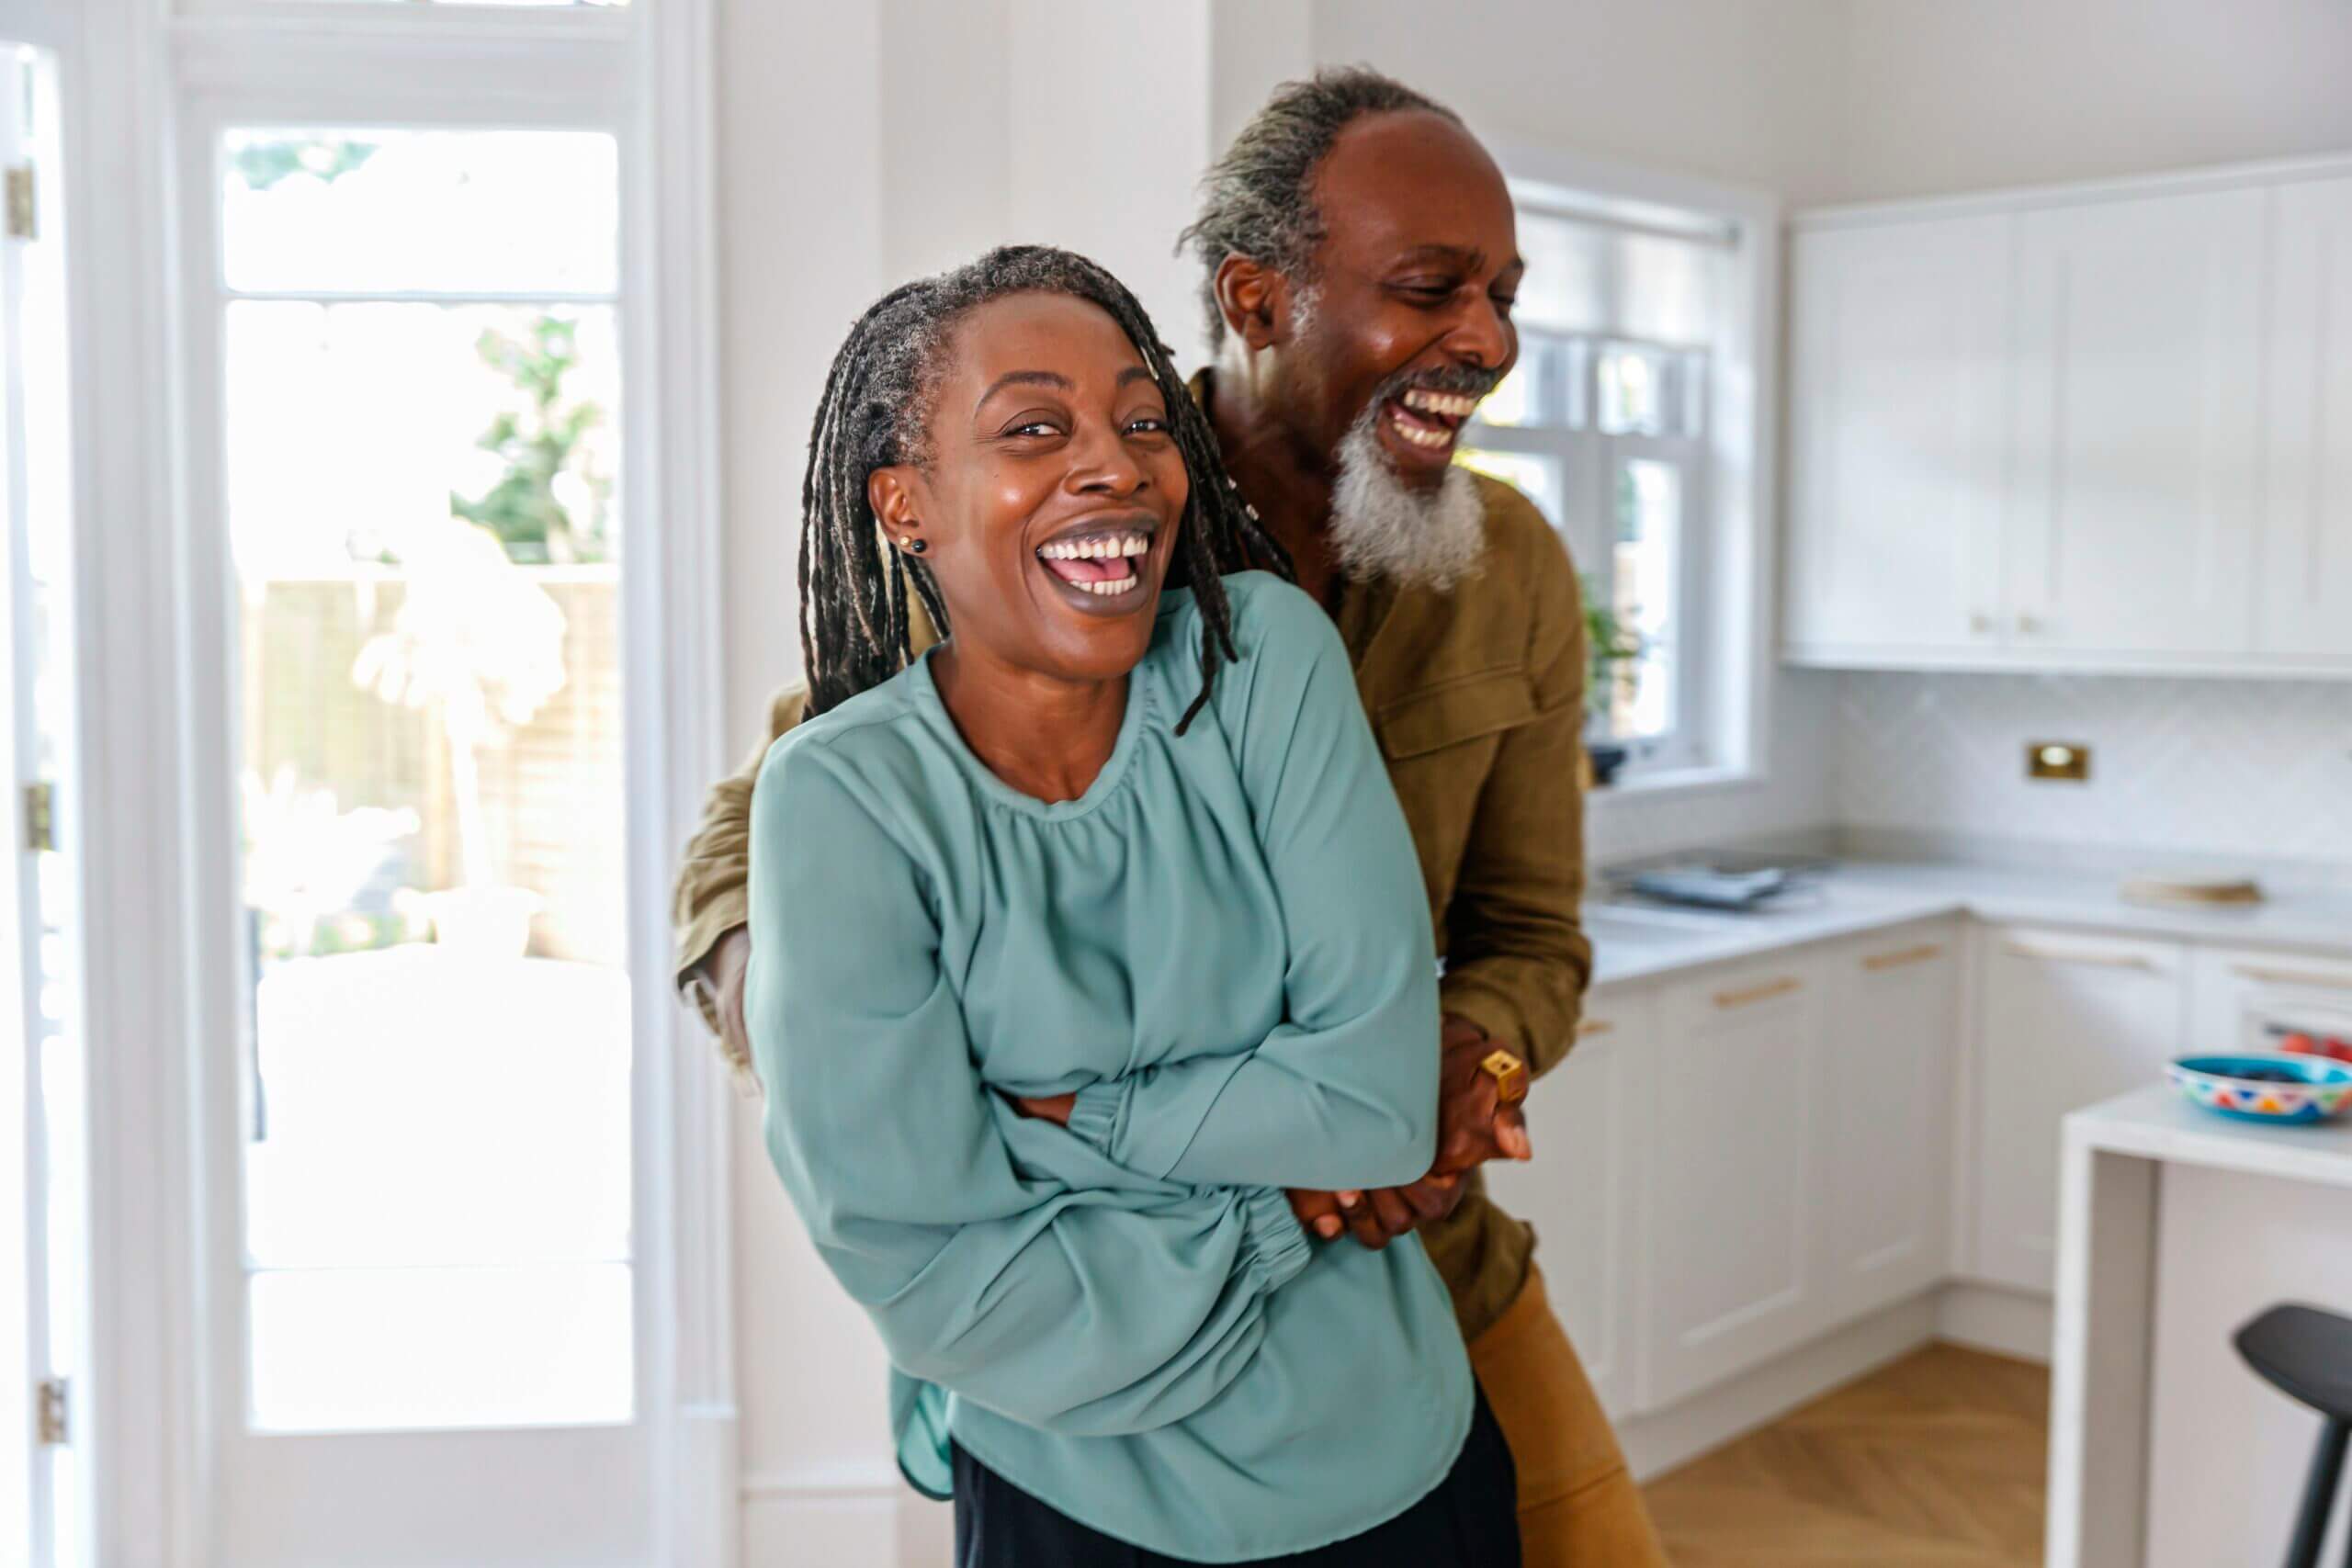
<point>1104,564</point>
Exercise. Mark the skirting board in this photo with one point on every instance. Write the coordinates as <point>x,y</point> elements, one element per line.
<point>787,1524</point>
<point>1995,1318</point>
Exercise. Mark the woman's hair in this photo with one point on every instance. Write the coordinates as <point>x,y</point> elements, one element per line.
<point>876,412</point>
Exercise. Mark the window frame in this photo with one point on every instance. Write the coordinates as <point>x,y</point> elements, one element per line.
<point>155,692</point>
<point>1728,533</point>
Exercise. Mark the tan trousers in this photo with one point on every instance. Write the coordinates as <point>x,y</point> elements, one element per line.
<point>1578,1505</point>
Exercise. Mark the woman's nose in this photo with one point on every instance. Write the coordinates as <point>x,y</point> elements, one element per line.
<point>1102,463</point>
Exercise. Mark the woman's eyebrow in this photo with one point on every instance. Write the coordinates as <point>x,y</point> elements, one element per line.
<point>1134,373</point>
<point>1025,378</point>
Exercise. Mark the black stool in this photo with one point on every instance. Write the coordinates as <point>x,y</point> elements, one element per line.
<point>2307,1354</point>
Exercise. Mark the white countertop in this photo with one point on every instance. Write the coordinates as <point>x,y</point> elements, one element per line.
<point>1866,895</point>
<point>2157,1124</point>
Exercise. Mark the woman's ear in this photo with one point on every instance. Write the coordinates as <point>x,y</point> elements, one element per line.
<point>891,492</point>
<point>1254,300</point>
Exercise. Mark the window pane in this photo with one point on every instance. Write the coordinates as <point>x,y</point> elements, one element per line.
<point>421,507</point>
<point>1644,566</point>
<point>1533,392</point>
<point>1538,479</point>
<point>421,211</point>
<point>1651,392</point>
<point>1666,288</point>
<point>1566,285</point>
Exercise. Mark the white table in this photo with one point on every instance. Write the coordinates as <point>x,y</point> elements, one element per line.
<point>2118,1255</point>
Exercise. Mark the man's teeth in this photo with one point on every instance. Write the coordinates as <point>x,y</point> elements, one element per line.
<point>1453,405</point>
<point>1419,435</point>
<point>1095,549</point>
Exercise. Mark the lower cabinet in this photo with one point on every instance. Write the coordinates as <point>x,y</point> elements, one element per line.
<point>1579,1191</point>
<point>1893,1007</point>
<point>2261,1002</point>
<point>1734,1179</point>
<point>2068,1019</point>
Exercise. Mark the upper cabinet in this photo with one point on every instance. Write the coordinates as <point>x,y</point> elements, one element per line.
<point>2303,599</point>
<point>1896,375</point>
<point>2106,431</point>
<point>2133,439</point>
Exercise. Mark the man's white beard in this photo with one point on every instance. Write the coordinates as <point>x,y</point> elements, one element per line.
<point>1382,527</point>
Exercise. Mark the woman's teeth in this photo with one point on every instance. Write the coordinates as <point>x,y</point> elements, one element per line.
<point>1095,559</point>
<point>1095,549</point>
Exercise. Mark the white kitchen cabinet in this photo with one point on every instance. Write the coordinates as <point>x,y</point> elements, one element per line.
<point>2067,1019</point>
<point>2251,1000</point>
<point>1891,1018</point>
<point>1729,1276</point>
<point>2135,433</point>
<point>2304,609</point>
<point>1897,380</point>
<point>1581,1192</point>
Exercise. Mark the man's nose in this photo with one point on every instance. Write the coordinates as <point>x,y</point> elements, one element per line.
<point>1484,336</point>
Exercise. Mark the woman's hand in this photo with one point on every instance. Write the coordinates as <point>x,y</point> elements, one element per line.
<point>1054,1108</point>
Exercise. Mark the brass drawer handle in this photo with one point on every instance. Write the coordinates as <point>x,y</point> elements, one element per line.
<point>2293,978</point>
<point>1763,993</point>
<point>2094,960</point>
<point>1919,954</point>
<point>1588,1028</point>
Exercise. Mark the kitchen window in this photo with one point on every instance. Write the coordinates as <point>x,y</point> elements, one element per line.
<point>1629,320</point>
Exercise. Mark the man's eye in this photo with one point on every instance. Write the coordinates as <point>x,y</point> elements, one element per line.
<point>1033,427</point>
<point>1506,303</point>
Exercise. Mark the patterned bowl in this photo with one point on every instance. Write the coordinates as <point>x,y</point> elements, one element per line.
<point>2265,1086</point>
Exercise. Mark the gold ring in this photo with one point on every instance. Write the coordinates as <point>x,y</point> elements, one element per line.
<point>1510,1075</point>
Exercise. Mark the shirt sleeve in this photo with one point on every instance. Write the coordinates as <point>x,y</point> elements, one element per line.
<point>1517,956</point>
<point>1082,1309</point>
<point>710,897</point>
<point>1343,1093</point>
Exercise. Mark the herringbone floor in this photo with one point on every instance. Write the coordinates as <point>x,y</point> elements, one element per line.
<point>1935,1461</point>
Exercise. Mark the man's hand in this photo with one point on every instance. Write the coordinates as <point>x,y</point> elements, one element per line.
<point>725,969</point>
<point>1473,1126</point>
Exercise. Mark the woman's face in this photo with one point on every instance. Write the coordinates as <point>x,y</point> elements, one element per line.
<point>1050,508</point>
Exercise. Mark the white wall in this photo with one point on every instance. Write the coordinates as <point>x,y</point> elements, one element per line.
<point>1937,97</point>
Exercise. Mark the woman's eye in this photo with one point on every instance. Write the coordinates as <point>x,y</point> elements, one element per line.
<point>1148,425</point>
<point>1506,303</point>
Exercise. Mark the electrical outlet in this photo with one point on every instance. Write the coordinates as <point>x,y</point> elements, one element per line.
<point>2059,761</point>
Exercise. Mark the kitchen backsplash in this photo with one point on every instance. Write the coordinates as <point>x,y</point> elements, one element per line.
<point>2192,769</point>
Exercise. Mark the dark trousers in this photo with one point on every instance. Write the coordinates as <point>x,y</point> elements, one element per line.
<point>1471,1520</point>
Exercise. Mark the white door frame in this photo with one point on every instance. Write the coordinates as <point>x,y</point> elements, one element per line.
<point>151,615</point>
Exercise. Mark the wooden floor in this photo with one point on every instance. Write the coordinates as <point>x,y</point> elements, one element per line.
<point>1935,1461</point>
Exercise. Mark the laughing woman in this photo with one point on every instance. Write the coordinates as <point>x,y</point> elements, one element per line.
<point>1076,941</point>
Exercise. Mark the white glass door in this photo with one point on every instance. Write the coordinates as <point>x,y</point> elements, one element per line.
<point>427,1299</point>
<point>41,1226</point>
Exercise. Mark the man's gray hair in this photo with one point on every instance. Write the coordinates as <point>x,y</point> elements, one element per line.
<point>1259,199</point>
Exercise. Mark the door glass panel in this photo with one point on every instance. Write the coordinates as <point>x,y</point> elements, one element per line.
<point>1644,564</point>
<point>423,506</point>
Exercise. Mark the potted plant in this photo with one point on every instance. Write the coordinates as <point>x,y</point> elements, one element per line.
<point>1612,667</point>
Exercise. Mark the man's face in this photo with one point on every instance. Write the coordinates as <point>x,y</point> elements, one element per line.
<point>1412,288</point>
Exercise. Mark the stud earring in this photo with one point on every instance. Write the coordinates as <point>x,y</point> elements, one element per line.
<point>914,546</point>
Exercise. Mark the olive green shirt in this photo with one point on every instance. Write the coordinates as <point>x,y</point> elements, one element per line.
<point>1477,695</point>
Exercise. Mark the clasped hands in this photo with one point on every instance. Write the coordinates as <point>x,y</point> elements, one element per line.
<point>1473,1126</point>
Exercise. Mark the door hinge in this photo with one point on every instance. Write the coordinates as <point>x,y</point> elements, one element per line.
<point>40,816</point>
<point>22,223</point>
<point>53,1432</point>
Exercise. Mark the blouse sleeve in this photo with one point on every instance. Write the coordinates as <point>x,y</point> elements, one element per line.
<point>1343,1093</point>
<point>1082,1310</point>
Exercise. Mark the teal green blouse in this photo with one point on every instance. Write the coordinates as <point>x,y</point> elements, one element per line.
<point>1224,948</point>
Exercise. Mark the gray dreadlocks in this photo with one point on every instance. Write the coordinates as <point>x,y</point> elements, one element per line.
<point>1259,199</point>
